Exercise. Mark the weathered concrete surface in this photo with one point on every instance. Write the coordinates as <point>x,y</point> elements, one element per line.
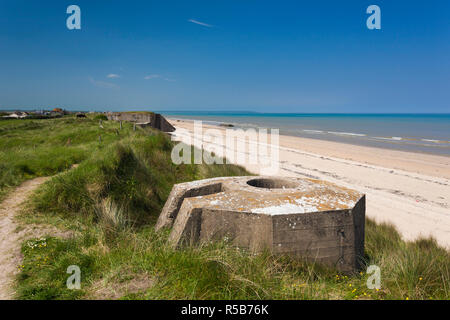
<point>312,219</point>
<point>154,120</point>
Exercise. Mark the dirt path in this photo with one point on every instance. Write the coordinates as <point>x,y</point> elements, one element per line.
<point>10,238</point>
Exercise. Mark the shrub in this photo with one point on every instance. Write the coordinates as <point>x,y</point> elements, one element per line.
<point>101,117</point>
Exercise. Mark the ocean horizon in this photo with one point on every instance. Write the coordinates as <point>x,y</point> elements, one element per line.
<point>416,132</point>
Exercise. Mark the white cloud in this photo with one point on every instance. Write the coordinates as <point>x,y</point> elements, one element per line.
<point>113,76</point>
<point>157,76</point>
<point>103,84</point>
<point>152,76</point>
<point>201,23</point>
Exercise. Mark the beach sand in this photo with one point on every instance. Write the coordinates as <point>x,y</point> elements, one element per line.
<point>409,190</point>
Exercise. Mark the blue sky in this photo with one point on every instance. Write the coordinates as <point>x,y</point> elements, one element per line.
<point>267,56</point>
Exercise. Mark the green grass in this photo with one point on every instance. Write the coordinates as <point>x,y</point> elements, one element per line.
<point>112,200</point>
<point>219,271</point>
<point>101,117</point>
<point>33,148</point>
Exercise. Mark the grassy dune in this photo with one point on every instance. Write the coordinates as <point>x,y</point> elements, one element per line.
<point>33,148</point>
<point>112,199</point>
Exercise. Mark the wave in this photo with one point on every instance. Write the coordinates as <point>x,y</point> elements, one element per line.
<point>423,141</point>
<point>347,133</point>
<point>389,138</point>
<point>313,131</point>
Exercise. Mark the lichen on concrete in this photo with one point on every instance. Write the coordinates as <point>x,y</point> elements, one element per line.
<point>308,218</point>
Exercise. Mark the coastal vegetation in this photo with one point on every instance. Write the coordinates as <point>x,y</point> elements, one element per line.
<point>101,117</point>
<point>107,188</point>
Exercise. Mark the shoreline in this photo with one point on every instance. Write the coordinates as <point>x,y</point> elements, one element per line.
<point>408,189</point>
<point>366,154</point>
<point>434,143</point>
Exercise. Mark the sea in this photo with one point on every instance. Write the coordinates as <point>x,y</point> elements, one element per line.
<point>425,133</point>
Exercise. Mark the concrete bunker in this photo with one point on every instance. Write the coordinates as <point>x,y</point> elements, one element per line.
<point>271,183</point>
<point>312,219</point>
<point>142,119</point>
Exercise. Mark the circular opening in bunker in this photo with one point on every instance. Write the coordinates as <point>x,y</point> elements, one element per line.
<point>272,183</point>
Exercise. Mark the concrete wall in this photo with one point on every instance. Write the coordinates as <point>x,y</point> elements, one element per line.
<point>223,208</point>
<point>245,230</point>
<point>324,237</point>
<point>154,120</point>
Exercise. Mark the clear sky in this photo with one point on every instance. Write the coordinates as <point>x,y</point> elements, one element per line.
<point>267,56</point>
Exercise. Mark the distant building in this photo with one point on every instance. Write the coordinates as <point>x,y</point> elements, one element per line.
<point>16,115</point>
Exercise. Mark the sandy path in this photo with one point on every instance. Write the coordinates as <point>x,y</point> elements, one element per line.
<point>409,190</point>
<point>10,239</point>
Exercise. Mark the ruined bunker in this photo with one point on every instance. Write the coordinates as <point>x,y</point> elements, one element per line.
<point>143,119</point>
<point>315,220</point>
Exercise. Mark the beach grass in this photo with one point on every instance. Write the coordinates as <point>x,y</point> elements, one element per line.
<point>111,200</point>
<point>34,148</point>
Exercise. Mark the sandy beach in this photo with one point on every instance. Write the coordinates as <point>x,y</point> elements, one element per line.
<point>409,190</point>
